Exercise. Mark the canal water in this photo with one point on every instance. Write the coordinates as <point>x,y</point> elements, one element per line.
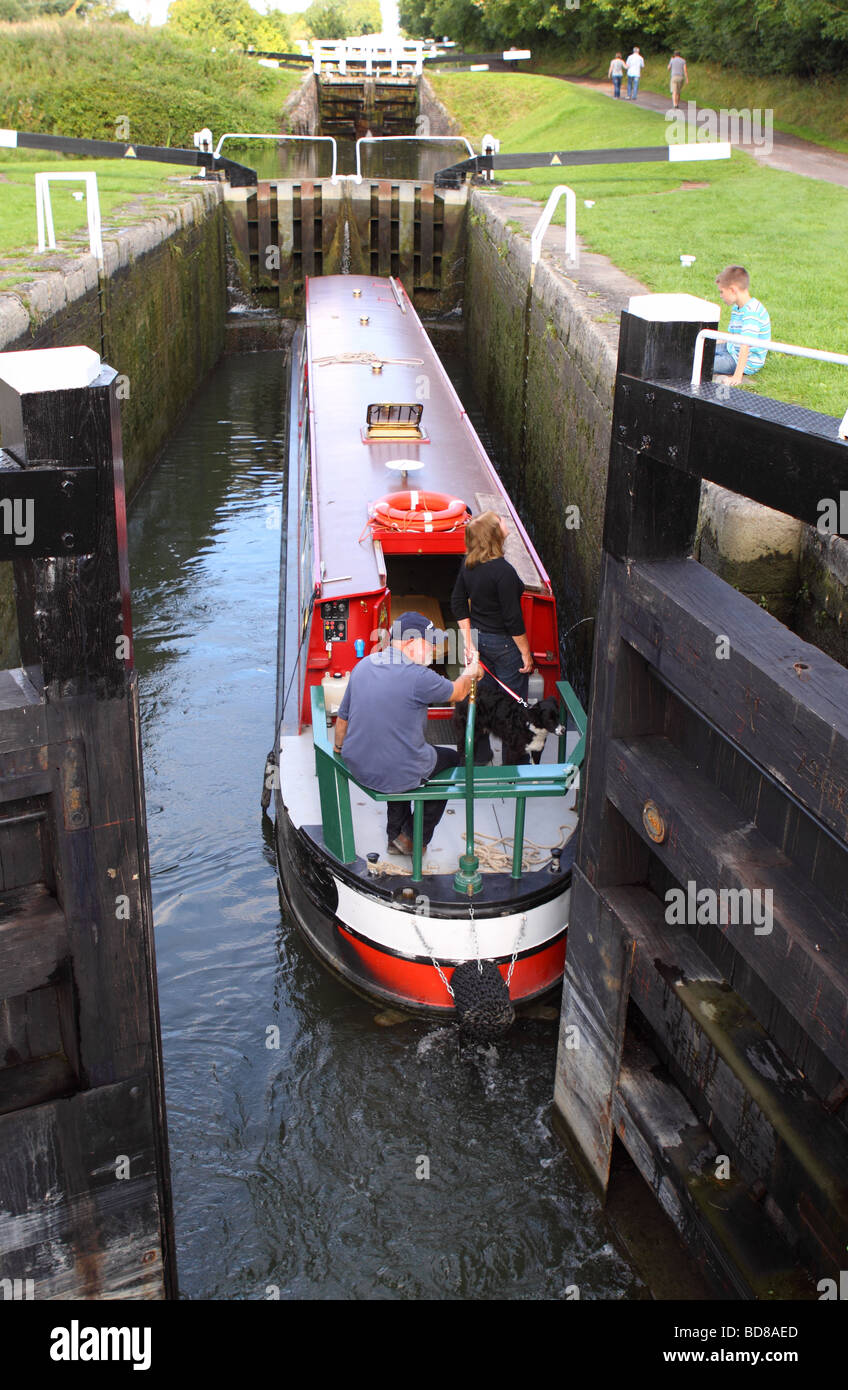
<point>382,159</point>
<point>315,1153</point>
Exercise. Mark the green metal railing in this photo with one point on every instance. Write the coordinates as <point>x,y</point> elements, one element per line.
<point>453,784</point>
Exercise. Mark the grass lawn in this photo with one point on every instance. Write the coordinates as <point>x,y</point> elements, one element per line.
<point>787,230</point>
<point>118,184</point>
<point>815,109</point>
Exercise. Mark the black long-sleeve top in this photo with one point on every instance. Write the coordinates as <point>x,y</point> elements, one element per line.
<point>490,595</point>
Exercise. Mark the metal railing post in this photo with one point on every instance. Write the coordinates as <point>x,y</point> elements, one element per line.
<point>518,842</point>
<point>468,879</point>
<point>561,190</point>
<point>417,841</point>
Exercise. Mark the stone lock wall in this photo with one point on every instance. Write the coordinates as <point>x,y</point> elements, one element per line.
<point>549,396</point>
<point>162,325</point>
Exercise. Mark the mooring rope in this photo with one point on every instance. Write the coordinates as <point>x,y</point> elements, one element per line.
<point>499,860</point>
<point>492,859</point>
<point>367,359</point>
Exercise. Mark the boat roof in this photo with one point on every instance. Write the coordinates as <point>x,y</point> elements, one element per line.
<point>348,474</point>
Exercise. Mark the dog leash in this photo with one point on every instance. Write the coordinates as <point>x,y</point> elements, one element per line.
<point>482,664</point>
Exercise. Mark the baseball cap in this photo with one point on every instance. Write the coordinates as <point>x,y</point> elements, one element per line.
<point>416,625</point>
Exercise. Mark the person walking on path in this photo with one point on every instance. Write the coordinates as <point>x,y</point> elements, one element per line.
<point>616,72</point>
<point>679,75</point>
<point>635,64</point>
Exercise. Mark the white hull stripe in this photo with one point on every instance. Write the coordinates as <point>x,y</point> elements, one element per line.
<point>449,939</point>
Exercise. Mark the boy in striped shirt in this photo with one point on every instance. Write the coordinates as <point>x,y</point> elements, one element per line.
<point>747,316</point>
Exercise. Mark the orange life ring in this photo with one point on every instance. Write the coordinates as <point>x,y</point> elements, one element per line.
<point>419,511</point>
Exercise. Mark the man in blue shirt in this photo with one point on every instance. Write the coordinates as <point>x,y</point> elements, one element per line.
<point>747,316</point>
<point>381,722</point>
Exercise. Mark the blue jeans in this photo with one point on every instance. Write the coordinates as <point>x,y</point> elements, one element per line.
<point>399,813</point>
<point>724,364</point>
<point>502,657</point>
<point>616,86</point>
<point>632,88</point>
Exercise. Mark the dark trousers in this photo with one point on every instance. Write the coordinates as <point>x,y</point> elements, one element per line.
<point>399,813</point>
<point>502,657</point>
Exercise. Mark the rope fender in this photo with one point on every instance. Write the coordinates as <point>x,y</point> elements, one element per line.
<point>481,1000</point>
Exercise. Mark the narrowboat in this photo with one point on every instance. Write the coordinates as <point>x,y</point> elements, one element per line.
<point>384,469</point>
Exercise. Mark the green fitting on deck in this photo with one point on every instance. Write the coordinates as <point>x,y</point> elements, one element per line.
<point>468,879</point>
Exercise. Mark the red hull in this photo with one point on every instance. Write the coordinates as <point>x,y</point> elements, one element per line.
<point>419,984</point>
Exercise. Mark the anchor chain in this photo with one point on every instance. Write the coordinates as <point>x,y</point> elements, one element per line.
<point>518,941</point>
<point>443,977</point>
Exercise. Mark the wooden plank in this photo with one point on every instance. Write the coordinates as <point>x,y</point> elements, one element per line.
<point>651,507</point>
<point>384,227</point>
<point>70,614</point>
<point>658,349</point>
<point>33,939</point>
<point>307,227</point>
<point>406,233</point>
<point>14,788</point>
<point>98,869</point>
<point>164,1196</point>
<point>781,700</point>
<point>806,444</point>
<point>359,221</point>
<point>69,1220</point>
<point>759,1107</point>
<point>29,1025</point>
<point>263,231</point>
<point>332,227</point>
<point>426,212</point>
<point>35,1081</point>
<point>802,955</point>
<point>608,851</point>
<point>596,989</point>
<point>285,235</point>
<point>676,1156</point>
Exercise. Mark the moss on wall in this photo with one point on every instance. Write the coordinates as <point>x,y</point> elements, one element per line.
<point>162,330</point>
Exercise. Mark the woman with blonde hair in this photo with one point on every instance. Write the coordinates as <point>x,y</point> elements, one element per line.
<point>486,602</point>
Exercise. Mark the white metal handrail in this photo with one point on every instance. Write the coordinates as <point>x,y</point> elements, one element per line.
<point>245,135</point>
<point>344,51</point>
<point>723,335</point>
<point>44,211</point>
<point>382,139</point>
<point>538,234</point>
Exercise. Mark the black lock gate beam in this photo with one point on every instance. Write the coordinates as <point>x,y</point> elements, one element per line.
<point>238,175</point>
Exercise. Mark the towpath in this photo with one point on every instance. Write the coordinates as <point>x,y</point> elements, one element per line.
<point>788,152</point>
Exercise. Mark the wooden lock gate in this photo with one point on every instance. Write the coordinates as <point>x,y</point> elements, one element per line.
<point>288,230</point>
<point>708,1030</point>
<point>85,1204</point>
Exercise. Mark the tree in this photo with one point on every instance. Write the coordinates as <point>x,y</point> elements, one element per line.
<point>327,19</point>
<point>228,22</point>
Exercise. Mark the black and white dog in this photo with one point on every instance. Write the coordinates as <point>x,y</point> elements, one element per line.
<point>523,730</point>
